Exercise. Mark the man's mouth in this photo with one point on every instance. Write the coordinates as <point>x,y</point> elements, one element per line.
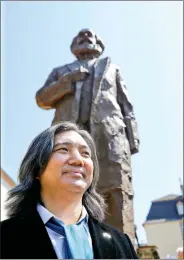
<point>75,172</point>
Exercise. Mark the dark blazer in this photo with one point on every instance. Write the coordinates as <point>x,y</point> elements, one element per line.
<point>26,237</point>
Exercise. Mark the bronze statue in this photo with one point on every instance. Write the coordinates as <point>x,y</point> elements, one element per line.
<point>91,92</point>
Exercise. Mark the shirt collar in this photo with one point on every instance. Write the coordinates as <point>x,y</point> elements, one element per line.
<point>88,63</point>
<point>45,214</point>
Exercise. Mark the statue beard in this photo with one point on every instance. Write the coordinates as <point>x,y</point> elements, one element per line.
<point>86,49</point>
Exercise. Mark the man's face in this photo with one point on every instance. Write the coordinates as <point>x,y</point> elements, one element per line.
<point>85,42</point>
<point>70,167</point>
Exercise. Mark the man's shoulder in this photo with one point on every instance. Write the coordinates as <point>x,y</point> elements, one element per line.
<point>9,223</point>
<point>9,228</point>
<point>111,64</point>
<point>121,240</point>
<point>67,66</point>
<point>113,230</point>
<point>59,69</point>
<point>18,225</point>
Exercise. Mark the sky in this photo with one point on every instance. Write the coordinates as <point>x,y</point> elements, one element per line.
<point>145,39</point>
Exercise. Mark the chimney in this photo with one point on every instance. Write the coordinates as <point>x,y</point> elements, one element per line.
<point>181,186</point>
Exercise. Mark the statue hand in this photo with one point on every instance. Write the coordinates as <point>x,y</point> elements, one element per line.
<point>136,148</point>
<point>76,75</point>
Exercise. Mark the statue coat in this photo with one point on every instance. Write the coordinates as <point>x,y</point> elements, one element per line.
<point>110,109</point>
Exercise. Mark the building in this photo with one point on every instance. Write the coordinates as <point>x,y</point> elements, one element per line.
<point>147,252</point>
<point>164,225</point>
<point>6,184</point>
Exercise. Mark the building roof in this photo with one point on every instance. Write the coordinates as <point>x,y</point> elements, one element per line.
<point>7,178</point>
<point>167,197</point>
<point>165,208</point>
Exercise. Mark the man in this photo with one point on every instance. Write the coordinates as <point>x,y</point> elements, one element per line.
<point>55,211</point>
<point>91,92</point>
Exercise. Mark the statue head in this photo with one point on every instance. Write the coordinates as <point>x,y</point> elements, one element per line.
<point>87,43</point>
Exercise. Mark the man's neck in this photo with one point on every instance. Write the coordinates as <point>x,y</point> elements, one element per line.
<point>66,208</point>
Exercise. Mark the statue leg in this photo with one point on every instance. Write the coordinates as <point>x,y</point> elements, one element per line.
<point>114,200</point>
<point>120,211</point>
<point>115,182</point>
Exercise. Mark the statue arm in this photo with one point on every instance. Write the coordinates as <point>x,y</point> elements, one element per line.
<point>53,90</point>
<point>128,113</point>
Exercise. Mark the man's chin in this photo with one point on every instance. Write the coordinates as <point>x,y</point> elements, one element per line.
<point>76,184</point>
<point>76,188</point>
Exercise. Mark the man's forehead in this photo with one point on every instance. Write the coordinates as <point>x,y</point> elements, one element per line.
<point>70,137</point>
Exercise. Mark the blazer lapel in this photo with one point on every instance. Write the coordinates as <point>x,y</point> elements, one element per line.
<point>78,85</point>
<point>101,67</point>
<point>103,243</point>
<point>73,66</point>
<point>36,234</point>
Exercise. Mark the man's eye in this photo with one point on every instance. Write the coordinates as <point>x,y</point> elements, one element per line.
<point>61,149</point>
<point>86,153</point>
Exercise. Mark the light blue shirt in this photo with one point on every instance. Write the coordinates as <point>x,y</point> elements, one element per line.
<point>58,241</point>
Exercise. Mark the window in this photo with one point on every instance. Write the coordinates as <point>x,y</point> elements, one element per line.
<point>179,206</point>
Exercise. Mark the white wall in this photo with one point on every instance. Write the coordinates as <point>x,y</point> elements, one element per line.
<point>167,236</point>
<point>4,189</point>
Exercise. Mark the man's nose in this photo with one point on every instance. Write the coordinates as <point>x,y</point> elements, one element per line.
<point>76,159</point>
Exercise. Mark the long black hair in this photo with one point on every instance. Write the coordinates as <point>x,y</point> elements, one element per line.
<point>24,197</point>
